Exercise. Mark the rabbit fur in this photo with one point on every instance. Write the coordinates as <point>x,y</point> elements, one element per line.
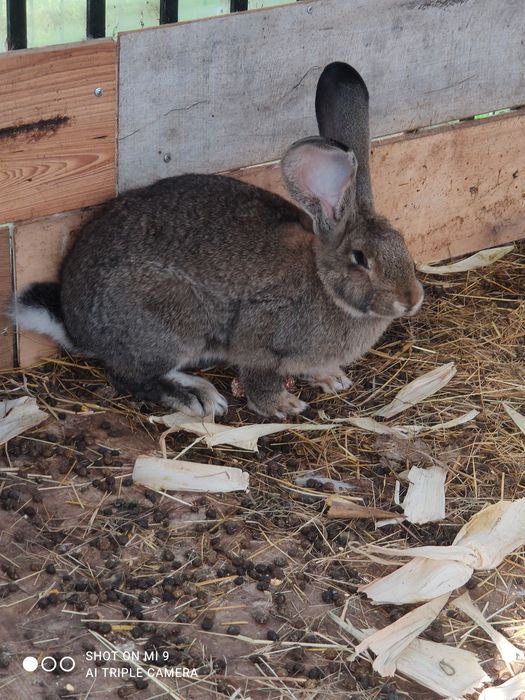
<point>199,269</point>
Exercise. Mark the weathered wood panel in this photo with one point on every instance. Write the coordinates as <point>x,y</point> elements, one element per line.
<point>451,191</point>
<point>6,293</point>
<point>232,91</point>
<point>57,137</point>
<point>40,246</point>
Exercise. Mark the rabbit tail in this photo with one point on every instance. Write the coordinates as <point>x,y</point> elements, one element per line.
<point>38,308</point>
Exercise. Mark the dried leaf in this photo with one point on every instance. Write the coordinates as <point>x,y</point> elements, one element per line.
<point>516,417</point>
<point>341,508</point>
<point>494,532</point>
<point>450,672</point>
<point>413,430</point>
<point>244,437</point>
<point>507,650</point>
<point>178,475</point>
<point>404,431</point>
<point>390,642</point>
<point>513,688</point>
<point>473,262</point>
<point>481,544</point>
<point>19,415</point>
<point>418,580</point>
<point>374,426</point>
<point>425,499</point>
<point>418,390</point>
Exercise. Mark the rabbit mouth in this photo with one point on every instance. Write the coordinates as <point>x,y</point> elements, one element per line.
<point>352,311</point>
<point>356,312</point>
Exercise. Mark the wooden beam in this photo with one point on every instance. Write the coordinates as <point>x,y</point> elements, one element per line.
<point>6,294</point>
<point>235,90</point>
<point>451,191</point>
<point>57,129</point>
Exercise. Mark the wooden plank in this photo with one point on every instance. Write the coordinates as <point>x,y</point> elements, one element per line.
<point>40,246</point>
<point>57,137</point>
<point>236,90</point>
<point>450,191</point>
<point>6,293</point>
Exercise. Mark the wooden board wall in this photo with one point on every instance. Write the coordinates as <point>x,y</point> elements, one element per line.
<point>57,137</point>
<point>451,190</point>
<point>236,90</point>
<point>40,246</point>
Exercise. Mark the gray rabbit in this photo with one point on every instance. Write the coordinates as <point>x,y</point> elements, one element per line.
<point>198,269</point>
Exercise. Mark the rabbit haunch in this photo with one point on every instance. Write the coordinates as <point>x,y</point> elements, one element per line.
<point>203,268</point>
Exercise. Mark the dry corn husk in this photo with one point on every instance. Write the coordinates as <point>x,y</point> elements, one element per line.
<point>372,425</point>
<point>405,431</point>
<point>507,650</point>
<point>425,499</point>
<point>178,475</point>
<point>450,672</point>
<point>481,544</point>
<point>413,430</point>
<point>342,508</point>
<point>418,390</point>
<point>473,262</point>
<point>244,437</point>
<point>390,642</point>
<point>516,417</point>
<point>509,690</point>
<point>418,580</point>
<point>19,415</point>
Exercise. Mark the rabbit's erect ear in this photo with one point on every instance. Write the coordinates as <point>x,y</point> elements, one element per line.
<point>321,177</point>
<point>341,107</point>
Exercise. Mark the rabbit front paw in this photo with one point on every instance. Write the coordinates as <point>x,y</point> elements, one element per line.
<point>289,405</point>
<point>284,404</point>
<point>329,382</point>
<point>266,396</point>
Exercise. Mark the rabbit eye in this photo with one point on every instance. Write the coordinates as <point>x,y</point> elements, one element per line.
<point>359,258</point>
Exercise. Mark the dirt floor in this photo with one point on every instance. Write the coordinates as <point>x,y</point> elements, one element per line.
<point>232,592</point>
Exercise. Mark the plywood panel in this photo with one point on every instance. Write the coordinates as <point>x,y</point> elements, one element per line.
<point>40,246</point>
<point>6,292</point>
<point>450,191</point>
<point>231,91</point>
<point>57,137</point>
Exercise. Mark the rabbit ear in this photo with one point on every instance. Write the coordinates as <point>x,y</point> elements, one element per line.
<point>320,176</point>
<point>341,107</point>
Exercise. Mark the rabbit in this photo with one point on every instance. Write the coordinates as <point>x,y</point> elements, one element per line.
<point>199,269</point>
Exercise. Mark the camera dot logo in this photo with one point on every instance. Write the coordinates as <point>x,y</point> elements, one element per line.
<point>30,664</point>
<point>49,664</point>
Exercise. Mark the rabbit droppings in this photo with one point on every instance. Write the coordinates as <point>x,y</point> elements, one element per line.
<point>204,268</point>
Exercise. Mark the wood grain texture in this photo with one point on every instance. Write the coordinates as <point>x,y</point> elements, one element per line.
<point>57,138</point>
<point>6,293</point>
<point>451,191</point>
<point>236,90</point>
<point>40,247</point>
